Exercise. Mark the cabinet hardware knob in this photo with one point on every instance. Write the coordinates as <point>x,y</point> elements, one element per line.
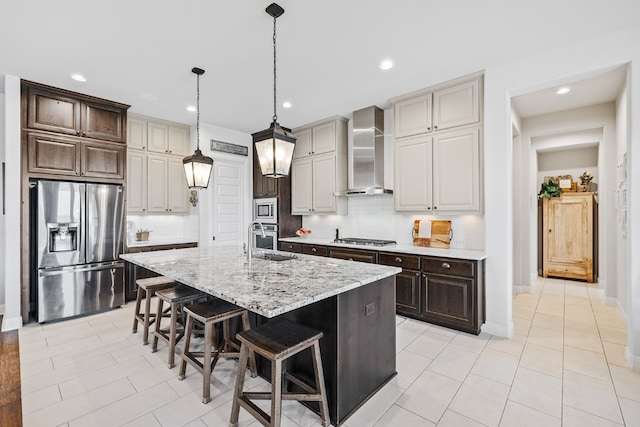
<point>290,246</point>
<point>417,274</point>
<point>398,259</point>
<point>428,128</point>
<point>435,127</point>
<point>314,250</point>
<point>143,147</point>
<point>77,132</point>
<point>84,133</point>
<point>424,275</point>
<point>435,207</point>
<point>446,265</point>
<point>350,259</point>
<point>144,210</point>
<point>428,208</point>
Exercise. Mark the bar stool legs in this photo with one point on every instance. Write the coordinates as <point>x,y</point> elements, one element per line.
<point>147,289</point>
<point>277,341</point>
<point>211,313</point>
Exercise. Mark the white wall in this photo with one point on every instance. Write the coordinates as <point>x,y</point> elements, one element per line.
<point>12,294</point>
<point>548,69</point>
<point>3,217</point>
<point>621,187</point>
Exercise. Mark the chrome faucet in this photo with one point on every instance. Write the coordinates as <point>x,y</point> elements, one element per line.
<point>249,240</point>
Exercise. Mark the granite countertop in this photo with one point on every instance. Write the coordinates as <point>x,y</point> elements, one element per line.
<point>405,249</point>
<point>268,288</point>
<point>160,242</point>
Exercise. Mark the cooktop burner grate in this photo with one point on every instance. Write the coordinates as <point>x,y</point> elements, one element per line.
<point>364,242</point>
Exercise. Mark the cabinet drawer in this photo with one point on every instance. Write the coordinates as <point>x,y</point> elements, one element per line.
<point>448,266</point>
<point>314,250</point>
<point>354,255</point>
<point>400,260</point>
<point>291,247</point>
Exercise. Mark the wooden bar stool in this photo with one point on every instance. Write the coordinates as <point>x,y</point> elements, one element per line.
<point>210,313</point>
<point>175,297</point>
<point>146,289</point>
<point>277,341</point>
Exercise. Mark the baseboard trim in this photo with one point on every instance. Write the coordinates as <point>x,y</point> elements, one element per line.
<point>498,329</point>
<point>633,361</point>
<point>9,324</point>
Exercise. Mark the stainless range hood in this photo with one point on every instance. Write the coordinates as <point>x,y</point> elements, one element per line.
<point>366,154</point>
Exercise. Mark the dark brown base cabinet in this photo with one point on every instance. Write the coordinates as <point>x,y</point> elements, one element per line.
<point>134,272</point>
<point>444,291</point>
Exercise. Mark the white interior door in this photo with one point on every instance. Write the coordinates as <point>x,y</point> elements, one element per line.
<point>227,203</point>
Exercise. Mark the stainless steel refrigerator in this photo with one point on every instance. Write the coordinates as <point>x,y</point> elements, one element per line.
<point>79,239</point>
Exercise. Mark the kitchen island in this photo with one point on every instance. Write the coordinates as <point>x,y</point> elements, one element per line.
<point>352,303</point>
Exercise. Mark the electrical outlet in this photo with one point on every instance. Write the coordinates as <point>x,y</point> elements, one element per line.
<point>214,237</point>
<point>369,309</point>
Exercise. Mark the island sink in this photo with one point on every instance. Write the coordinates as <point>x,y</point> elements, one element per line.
<point>274,257</point>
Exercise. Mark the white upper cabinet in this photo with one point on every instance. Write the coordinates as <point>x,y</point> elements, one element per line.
<point>319,168</point>
<point>438,173</point>
<point>412,116</point>
<point>155,175</point>
<point>456,170</point>
<point>456,106</point>
<point>136,133</point>
<point>441,109</point>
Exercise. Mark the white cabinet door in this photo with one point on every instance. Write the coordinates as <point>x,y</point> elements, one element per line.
<point>157,138</point>
<point>301,186</point>
<point>456,106</point>
<point>456,170</point>
<point>303,144</point>
<point>136,133</point>
<point>157,183</point>
<point>413,179</point>
<point>176,187</point>
<point>413,116</point>
<point>324,183</point>
<point>136,182</point>
<point>324,138</point>
<point>178,140</point>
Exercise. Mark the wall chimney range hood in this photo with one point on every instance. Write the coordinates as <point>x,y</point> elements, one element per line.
<point>365,157</point>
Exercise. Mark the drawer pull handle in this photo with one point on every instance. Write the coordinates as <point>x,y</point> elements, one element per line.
<point>446,265</point>
<point>314,250</point>
<point>398,259</point>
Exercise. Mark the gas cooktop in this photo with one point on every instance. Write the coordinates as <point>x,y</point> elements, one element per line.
<point>365,242</point>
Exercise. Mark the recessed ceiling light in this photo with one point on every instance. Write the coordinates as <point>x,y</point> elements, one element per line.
<point>387,64</point>
<point>78,77</point>
<point>287,104</point>
<point>191,108</point>
<point>563,90</point>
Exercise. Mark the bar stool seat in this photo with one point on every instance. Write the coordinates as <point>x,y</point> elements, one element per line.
<point>278,340</point>
<point>176,297</point>
<point>147,289</point>
<point>211,313</point>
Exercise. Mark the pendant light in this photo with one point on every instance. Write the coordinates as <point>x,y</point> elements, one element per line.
<point>274,145</point>
<point>197,168</point>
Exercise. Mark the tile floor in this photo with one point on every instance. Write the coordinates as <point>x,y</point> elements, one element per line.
<point>564,366</point>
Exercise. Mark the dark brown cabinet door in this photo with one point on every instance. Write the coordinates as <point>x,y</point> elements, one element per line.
<point>314,250</point>
<point>103,122</point>
<point>449,300</point>
<point>102,160</point>
<point>53,112</point>
<point>53,154</point>
<point>291,247</point>
<point>408,292</point>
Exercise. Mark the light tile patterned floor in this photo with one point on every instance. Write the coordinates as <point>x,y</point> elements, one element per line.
<point>564,366</point>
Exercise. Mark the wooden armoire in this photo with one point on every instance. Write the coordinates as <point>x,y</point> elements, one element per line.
<point>569,235</point>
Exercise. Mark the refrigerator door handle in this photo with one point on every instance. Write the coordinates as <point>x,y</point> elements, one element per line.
<point>87,267</point>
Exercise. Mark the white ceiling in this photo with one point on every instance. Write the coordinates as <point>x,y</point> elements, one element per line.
<point>328,51</point>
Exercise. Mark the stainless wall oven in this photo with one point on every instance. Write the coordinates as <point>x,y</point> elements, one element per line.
<point>270,241</point>
<point>266,210</point>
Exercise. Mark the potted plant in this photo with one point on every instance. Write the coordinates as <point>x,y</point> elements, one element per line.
<point>550,189</point>
<point>142,235</point>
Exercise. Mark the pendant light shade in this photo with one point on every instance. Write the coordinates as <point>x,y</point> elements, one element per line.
<point>197,168</point>
<point>275,145</point>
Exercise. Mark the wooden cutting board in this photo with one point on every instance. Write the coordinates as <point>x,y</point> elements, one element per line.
<point>440,234</point>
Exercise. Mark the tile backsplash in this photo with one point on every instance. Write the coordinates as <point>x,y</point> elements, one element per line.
<point>163,227</point>
<point>376,218</point>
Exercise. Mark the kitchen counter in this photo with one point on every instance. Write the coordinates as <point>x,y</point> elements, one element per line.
<point>160,242</point>
<point>405,249</point>
<point>268,288</point>
<point>352,304</point>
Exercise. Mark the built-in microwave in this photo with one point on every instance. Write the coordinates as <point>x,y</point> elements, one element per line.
<point>266,210</point>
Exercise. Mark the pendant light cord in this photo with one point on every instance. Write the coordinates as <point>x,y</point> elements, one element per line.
<point>198,112</point>
<point>275,115</point>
